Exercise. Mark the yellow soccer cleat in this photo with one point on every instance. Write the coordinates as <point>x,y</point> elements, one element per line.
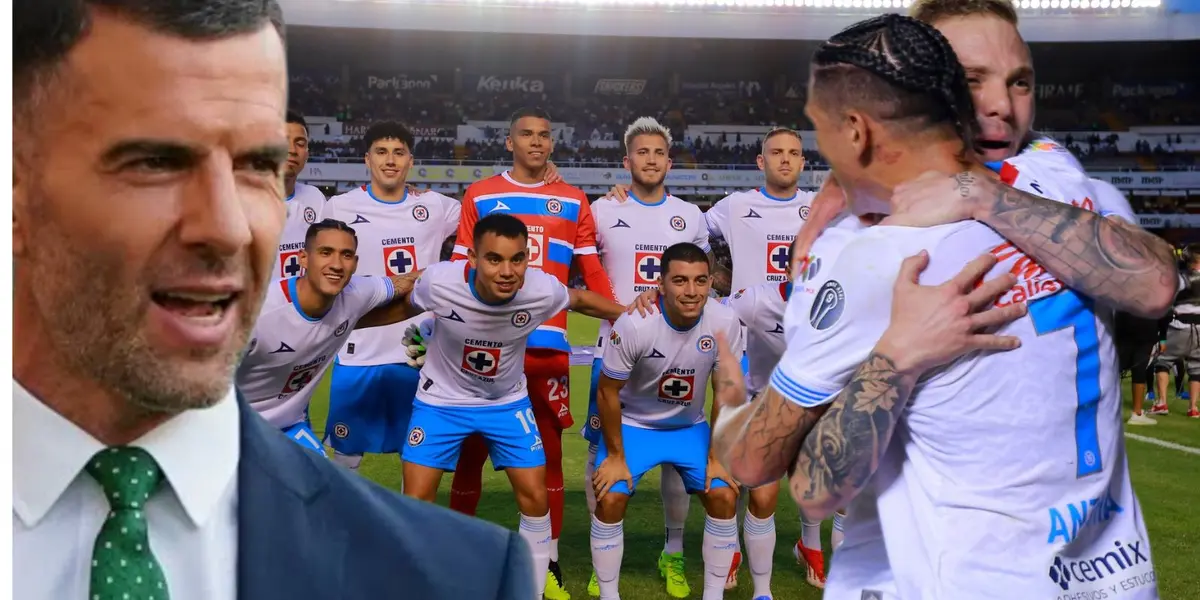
<point>594,586</point>
<point>555,590</point>
<point>670,566</point>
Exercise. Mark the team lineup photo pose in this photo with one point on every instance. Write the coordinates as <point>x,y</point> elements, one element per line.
<point>473,382</point>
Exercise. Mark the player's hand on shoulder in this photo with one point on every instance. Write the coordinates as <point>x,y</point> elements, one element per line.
<point>414,190</point>
<point>612,470</point>
<point>618,192</point>
<point>645,303</point>
<point>933,325</point>
<point>552,176</point>
<point>936,198</point>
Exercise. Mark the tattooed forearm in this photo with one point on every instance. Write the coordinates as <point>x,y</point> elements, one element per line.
<point>1107,259</point>
<point>838,457</point>
<point>766,443</point>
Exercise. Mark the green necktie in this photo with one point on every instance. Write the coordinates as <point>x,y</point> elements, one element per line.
<point>123,567</point>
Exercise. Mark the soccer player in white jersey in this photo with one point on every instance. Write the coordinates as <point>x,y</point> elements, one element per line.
<point>305,321</point>
<point>473,380</point>
<point>371,392</point>
<point>631,236</point>
<point>985,472</point>
<point>651,405</point>
<point>304,202</point>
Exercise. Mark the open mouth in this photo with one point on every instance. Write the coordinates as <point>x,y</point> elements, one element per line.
<point>991,145</point>
<point>334,278</point>
<point>391,172</point>
<point>201,308</point>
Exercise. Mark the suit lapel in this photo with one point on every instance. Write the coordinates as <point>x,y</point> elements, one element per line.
<point>288,544</point>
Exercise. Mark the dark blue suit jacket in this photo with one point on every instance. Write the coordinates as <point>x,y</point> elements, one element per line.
<point>308,528</point>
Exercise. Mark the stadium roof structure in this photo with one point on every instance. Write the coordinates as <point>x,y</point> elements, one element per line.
<point>1041,20</point>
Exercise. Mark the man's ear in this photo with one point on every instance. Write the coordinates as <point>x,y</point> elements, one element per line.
<point>858,130</point>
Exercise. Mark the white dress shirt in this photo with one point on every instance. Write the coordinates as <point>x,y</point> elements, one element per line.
<point>58,508</point>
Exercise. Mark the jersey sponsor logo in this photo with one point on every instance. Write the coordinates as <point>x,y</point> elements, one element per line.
<point>677,223</point>
<point>827,307</point>
<point>779,258</point>
<point>620,223</point>
<point>289,265</point>
<point>1085,204</point>
<point>535,248</point>
<point>310,215</point>
<point>1080,515</point>
<point>283,347</point>
<point>613,338</point>
<point>804,212</point>
<point>676,389</point>
<point>553,206</point>
<point>751,215</point>
<point>416,436</point>
<point>647,268</point>
<point>521,318</point>
<point>420,213</point>
<point>706,343</point>
<point>340,431</point>
<point>1077,574</point>
<point>301,376</point>
<point>341,329</point>
<point>481,361</point>
<point>807,268</point>
<point>1033,280</point>
<point>398,260</point>
<point>359,219</point>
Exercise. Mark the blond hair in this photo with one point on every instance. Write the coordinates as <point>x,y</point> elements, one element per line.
<point>646,126</point>
<point>932,11</point>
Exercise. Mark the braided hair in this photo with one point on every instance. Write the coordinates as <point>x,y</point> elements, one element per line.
<point>900,69</point>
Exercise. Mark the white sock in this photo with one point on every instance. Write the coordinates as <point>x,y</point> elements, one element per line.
<point>810,533</point>
<point>350,461</point>
<point>760,551</point>
<point>588,489</point>
<point>720,541</point>
<point>536,533</point>
<point>676,502</point>
<point>608,548</point>
<point>553,550</point>
<point>838,535</point>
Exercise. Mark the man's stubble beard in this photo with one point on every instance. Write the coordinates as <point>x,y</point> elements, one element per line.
<point>94,325</point>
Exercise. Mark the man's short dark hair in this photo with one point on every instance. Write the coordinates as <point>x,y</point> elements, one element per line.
<point>45,31</point>
<point>327,225</point>
<point>503,225</point>
<point>682,252</point>
<point>528,111</point>
<point>388,130</point>
<point>294,116</point>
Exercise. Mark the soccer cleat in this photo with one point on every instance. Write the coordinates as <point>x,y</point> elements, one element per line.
<point>555,590</point>
<point>594,586</point>
<point>670,567</point>
<point>1193,413</point>
<point>814,560</point>
<point>1159,408</point>
<point>1140,419</point>
<point>763,598</point>
<point>731,580</point>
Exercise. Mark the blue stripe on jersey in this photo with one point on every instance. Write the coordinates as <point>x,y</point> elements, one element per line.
<point>524,205</point>
<point>550,339</point>
<point>795,392</point>
<point>391,291</point>
<point>559,253</point>
<point>611,374</point>
<point>995,165</point>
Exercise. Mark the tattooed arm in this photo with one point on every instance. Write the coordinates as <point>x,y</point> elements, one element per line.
<point>1108,259</point>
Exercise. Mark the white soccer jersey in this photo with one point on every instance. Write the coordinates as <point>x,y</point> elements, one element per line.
<point>304,208</point>
<point>759,230</point>
<point>1014,481</point>
<point>760,309</point>
<point>1111,201</point>
<point>289,351</point>
<point>631,237</point>
<point>476,356</point>
<point>666,370</point>
<point>393,239</point>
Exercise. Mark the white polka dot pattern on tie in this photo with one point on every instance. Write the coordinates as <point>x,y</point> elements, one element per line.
<point>123,563</point>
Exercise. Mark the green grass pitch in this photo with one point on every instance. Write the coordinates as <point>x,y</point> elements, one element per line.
<point>1167,482</point>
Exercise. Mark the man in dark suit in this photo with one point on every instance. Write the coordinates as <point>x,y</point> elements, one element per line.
<point>149,144</point>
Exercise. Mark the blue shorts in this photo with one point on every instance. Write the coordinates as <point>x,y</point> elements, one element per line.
<point>436,434</point>
<point>591,427</point>
<point>369,408</point>
<point>302,434</point>
<point>686,448</point>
